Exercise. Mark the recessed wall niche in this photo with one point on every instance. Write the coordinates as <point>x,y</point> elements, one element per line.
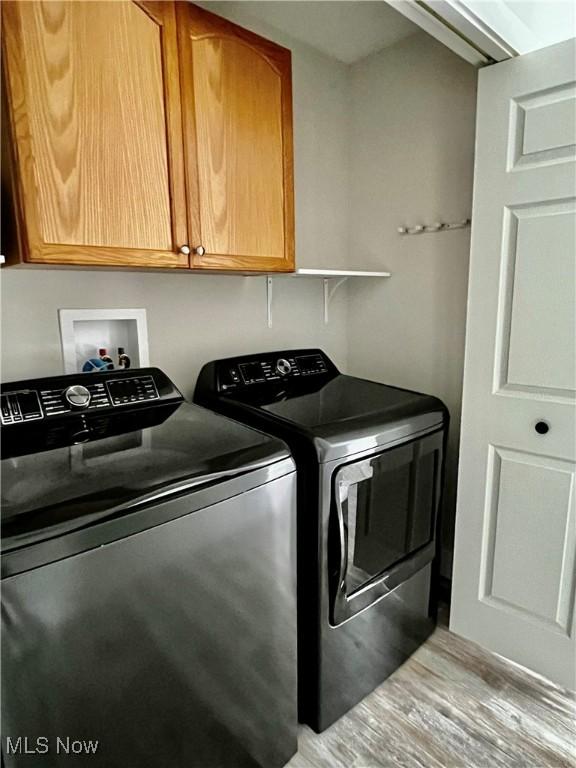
<point>84,331</point>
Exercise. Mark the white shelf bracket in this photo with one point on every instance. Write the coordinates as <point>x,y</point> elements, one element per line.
<point>332,279</point>
<point>269,293</point>
<point>329,291</point>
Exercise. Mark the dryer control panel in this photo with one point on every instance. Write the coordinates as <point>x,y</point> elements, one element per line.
<point>270,369</point>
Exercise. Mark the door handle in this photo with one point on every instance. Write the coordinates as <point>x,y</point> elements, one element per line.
<point>399,573</point>
<point>342,510</point>
<point>542,427</point>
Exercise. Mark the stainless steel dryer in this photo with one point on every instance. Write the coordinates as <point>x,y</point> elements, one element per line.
<point>370,466</point>
<point>148,580</point>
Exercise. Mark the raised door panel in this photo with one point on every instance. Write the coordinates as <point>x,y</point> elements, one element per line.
<point>237,103</point>
<point>524,572</point>
<point>96,122</point>
<point>543,127</point>
<point>535,351</point>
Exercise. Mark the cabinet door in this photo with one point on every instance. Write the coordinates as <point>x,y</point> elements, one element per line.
<point>95,119</point>
<point>237,116</point>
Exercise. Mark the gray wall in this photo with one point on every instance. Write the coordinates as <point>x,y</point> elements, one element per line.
<point>194,318</point>
<point>191,318</point>
<point>413,108</point>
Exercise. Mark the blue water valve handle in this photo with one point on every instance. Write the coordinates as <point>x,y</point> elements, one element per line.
<point>94,364</point>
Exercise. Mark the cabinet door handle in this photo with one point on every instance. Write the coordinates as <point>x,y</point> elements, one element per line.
<point>200,250</point>
<point>184,250</point>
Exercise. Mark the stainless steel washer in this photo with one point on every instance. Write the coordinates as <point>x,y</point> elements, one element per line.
<point>148,579</point>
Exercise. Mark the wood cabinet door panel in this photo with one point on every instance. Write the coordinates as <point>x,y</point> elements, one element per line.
<point>96,122</point>
<point>237,105</point>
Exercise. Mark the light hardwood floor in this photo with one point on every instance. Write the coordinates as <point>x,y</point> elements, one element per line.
<point>452,705</point>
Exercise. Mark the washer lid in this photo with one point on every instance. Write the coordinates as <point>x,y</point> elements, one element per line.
<point>136,458</point>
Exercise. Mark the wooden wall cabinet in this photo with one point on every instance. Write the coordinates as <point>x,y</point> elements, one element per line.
<point>94,103</point>
<point>237,113</point>
<point>147,134</point>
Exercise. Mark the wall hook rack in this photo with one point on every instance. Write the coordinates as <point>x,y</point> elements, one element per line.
<point>438,226</point>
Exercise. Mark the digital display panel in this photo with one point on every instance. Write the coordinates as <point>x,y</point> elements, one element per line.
<point>131,390</point>
<point>252,372</point>
<point>29,404</point>
<point>310,364</point>
<point>119,390</point>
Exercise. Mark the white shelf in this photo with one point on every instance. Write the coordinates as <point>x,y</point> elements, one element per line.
<point>328,273</point>
<point>332,279</point>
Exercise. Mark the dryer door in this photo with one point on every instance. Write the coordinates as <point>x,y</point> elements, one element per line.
<point>383,521</point>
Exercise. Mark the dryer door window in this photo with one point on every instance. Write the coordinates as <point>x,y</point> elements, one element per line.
<point>383,522</point>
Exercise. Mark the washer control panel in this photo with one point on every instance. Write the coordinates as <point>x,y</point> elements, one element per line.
<point>269,369</point>
<point>82,393</point>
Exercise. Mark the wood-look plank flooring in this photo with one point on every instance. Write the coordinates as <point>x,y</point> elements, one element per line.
<point>451,705</point>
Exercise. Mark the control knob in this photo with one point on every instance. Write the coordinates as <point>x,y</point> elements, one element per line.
<point>77,396</point>
<point>283,367</point>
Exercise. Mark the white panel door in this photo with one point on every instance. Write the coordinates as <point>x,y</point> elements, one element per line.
<point>515,549</point>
